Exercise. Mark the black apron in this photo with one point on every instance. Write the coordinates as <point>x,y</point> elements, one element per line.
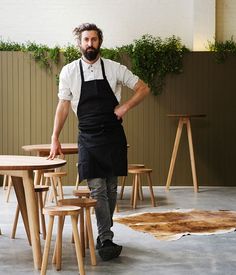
<point>102,141</point>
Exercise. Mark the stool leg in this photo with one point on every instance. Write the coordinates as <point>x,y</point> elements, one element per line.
<point>132,194</point>
<point>151,189</point>
<point>135,190</point>
<point>82,231</point>
<point>86,238</point>
<point>9,188</point>
<point>77,245</point>
<point>90,237</point>
<point>54,257</point>
<point>42,218</point>
<point>59,184</point>
<point>47,181</point>
<point>59,242</point>
<point>5,179</point>
<point>122,187</point>
<point>140,190</point>
<point>77,182</point>
<point>54,190</point>
<point>47,246</point>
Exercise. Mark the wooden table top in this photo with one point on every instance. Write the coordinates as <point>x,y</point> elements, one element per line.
<point>186,115</point>
<point>15,162</point>
<point>67,148</point>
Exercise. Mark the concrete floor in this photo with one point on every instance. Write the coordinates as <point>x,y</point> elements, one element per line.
<point>142,253</point>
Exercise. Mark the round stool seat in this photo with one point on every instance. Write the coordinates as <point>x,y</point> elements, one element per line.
<point>62,210</point>
<point>82,202</point>
<point>82,192</point>
<point>54,174</point>
<point>139,170</point>
<point>41,188</point>
<point>135,165</point>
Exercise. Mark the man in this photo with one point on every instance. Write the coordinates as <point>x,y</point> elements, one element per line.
<point>92,86</point>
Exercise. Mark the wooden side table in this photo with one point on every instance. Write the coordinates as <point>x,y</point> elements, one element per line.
<point>183,119</point>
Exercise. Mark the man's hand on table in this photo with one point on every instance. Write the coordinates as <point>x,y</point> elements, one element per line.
<point>55,149</point>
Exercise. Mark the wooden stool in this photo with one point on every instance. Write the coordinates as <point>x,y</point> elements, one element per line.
<point>137,166</point>
<point>61,212</point>
<point>184,119</point>
<point>85,204</point>
<point>82,193</point>
<point>39,193</point>
<point>137,184</point>
<point>56,183</point>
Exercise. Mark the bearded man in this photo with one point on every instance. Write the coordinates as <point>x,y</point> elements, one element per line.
<point>92,86</point>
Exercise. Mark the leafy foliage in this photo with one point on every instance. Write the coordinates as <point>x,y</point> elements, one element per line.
<point>71,53</point>
<point>222,49</point>
<point>151,58</point>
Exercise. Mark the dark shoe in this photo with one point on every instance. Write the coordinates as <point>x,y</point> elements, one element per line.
<point>99,243</point>
<point>109,250</point>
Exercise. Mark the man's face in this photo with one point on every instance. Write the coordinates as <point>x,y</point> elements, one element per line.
<point>90,45</point>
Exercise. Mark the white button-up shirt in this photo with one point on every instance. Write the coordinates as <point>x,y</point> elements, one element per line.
<point>70,79</point>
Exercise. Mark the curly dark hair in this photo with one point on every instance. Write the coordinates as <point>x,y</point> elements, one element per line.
<point>87,27</point>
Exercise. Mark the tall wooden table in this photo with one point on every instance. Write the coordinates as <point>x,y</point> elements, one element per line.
<point>184,119</point>
<point>20,168</point>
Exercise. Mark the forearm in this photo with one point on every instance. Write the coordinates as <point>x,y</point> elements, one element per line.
<point>141,90</point>
<point>60,118</point>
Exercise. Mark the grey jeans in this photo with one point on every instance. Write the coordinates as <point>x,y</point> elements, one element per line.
<point>104,190</point>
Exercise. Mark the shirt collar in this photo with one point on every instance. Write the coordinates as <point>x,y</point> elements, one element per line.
<point>95,65</point>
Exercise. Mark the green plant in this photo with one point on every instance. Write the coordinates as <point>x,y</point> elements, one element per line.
<point>71,53</point>
<point>153,58</point>
<point>40,53</point>
<point>54,54</point>
<point>10,46</point>
<point>222,49</point>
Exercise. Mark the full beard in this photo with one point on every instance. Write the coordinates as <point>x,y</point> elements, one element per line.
<point>91,53</point>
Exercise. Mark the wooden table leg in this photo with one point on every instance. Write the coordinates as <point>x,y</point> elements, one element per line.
<point>192,159</point>
<point>20,195</point>
<point>174,153</point>
<point>32,210</point>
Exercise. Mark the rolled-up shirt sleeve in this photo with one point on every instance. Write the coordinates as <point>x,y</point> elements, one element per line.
<point>126,77</point>
<point>64,85</point>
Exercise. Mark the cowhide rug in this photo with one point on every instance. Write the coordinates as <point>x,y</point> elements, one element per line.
<point>173,225</point>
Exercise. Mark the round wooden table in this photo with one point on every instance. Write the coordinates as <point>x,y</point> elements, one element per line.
<point>44,149</point>
<point>20,168</point>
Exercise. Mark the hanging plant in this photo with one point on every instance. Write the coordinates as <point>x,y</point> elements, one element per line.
<point>153,58</point>
<point>222,49</point>
<point>71,53</point>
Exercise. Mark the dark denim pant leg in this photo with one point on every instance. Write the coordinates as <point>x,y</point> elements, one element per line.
<point>112,195</point>
<point>104,190</point>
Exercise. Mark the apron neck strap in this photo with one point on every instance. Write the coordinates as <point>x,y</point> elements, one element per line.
<point>103,69</point>
<point>81,71</point>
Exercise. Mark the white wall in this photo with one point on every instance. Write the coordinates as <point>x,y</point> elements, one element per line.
<point>51,21</point>
<point>226,19</point>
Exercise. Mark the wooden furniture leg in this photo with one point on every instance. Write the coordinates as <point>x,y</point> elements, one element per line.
<point>192,159</point>
<point>174,153</point>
